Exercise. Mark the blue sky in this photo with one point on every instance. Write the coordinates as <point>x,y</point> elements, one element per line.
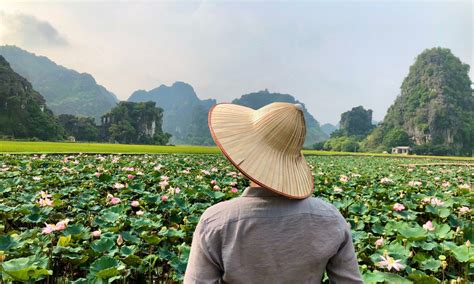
<point>331,55</point>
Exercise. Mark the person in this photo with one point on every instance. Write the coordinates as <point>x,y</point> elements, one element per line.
<point>274,232</point>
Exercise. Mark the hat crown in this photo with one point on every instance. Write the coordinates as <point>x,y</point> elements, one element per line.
<point>281,126</point>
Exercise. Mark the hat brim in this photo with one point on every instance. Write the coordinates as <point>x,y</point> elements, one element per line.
<point>233,132</point>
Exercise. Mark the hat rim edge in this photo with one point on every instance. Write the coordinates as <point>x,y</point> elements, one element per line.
<point>219,145</point>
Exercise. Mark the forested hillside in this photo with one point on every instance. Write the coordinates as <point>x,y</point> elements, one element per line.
<point>66,91</point>
<point>435,109</point>
<point>23,111</point>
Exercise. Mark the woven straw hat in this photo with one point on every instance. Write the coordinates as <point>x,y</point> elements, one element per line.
<point>265,145</point>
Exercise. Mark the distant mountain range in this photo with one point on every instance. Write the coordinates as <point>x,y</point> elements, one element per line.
<point>66,91</point>
<point>329,128</point>
<point>185,115</point>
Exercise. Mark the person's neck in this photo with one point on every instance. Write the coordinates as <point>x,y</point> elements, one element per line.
<point>253,184</point>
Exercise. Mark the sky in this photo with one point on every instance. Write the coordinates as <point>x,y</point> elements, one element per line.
<point>330,55</point>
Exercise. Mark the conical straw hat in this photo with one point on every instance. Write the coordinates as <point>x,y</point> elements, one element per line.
<point>265,145</point>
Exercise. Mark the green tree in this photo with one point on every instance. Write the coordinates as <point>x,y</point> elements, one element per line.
<point>356,122</point>
<point>131,122</point>
<point>81,128</point>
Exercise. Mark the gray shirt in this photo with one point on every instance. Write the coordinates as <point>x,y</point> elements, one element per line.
<point>264,237</point>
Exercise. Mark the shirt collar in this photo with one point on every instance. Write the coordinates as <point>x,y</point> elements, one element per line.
<point>259,192</point>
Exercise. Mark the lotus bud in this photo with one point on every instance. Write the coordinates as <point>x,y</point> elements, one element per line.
<point>2,256</point>
<point>468,243</point>
<point>442,257</point>
<point>119,240</point>
<point>444,264</point>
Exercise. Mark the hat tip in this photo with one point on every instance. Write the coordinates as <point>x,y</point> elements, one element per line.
<point>299,106</point>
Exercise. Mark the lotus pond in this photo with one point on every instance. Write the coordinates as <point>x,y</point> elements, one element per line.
<point>130,218</point>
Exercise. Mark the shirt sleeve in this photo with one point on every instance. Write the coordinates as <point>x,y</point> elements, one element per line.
<point>343,266</point>
<point>201,268</point>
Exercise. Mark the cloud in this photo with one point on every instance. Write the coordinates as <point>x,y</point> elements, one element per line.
<point>28,31</point>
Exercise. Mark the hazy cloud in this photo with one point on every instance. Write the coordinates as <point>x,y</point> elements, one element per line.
<point>330,55</point>
<point>28,31</point>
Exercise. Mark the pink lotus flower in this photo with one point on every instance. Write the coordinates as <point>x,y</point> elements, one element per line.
<point>157,168</point>
<point>233,174</point>
<point>165,178</point>
<point>164,198</point>
<point>97,174</point>
<point>135,203</point>
<point>43,202</point>
<point>214,170</point>
<point>216,187</point>
<point>436,202</point>
<point>337,189</point>
<point>464,186</point>
<point>233,184</point>
<point>426,200</point>
<point>389,263</point>
<point>96,234</point>
<point>49,228</point>
<point>445,184</point>
<point>61,225</point>
<point>464,210</point>
<point>468,243</point>
<point>177,190</point>
<point>140,213</point>
<point>428,226</point>
<point>186,171</point>
<point>213,182</point>
<point>163,184</point>
<point>130,176</point>
<point>234,190</point>
<point>398,207</point>
<point>379,242</point>
<point>415,183</point>
<point>114,200</point>
<point>118,185</point>
<point>129,169</point>
<point>36,178</point>
<point>343,178</point>
<point>386,180</point>
<point>205,172</point>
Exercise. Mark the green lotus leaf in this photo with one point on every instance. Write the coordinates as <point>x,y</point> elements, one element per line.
<point>103,245</point>
<point>413,232</point>
<point>127,250</point>
<point>462,253</point>
<point>431,264</point>
<point>106,267</point>
<point>421,278</point>
<point>7,242</point>
<point>428,246</point>
<point>130,237</point>
<point>394,278</point>
<point>372,277</point>
<point>26,268</point>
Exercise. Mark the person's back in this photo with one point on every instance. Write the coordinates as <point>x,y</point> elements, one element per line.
<point>263,237</point>
<point>275,232</point>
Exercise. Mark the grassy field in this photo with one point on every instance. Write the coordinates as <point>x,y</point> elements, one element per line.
<point>11,147</point>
